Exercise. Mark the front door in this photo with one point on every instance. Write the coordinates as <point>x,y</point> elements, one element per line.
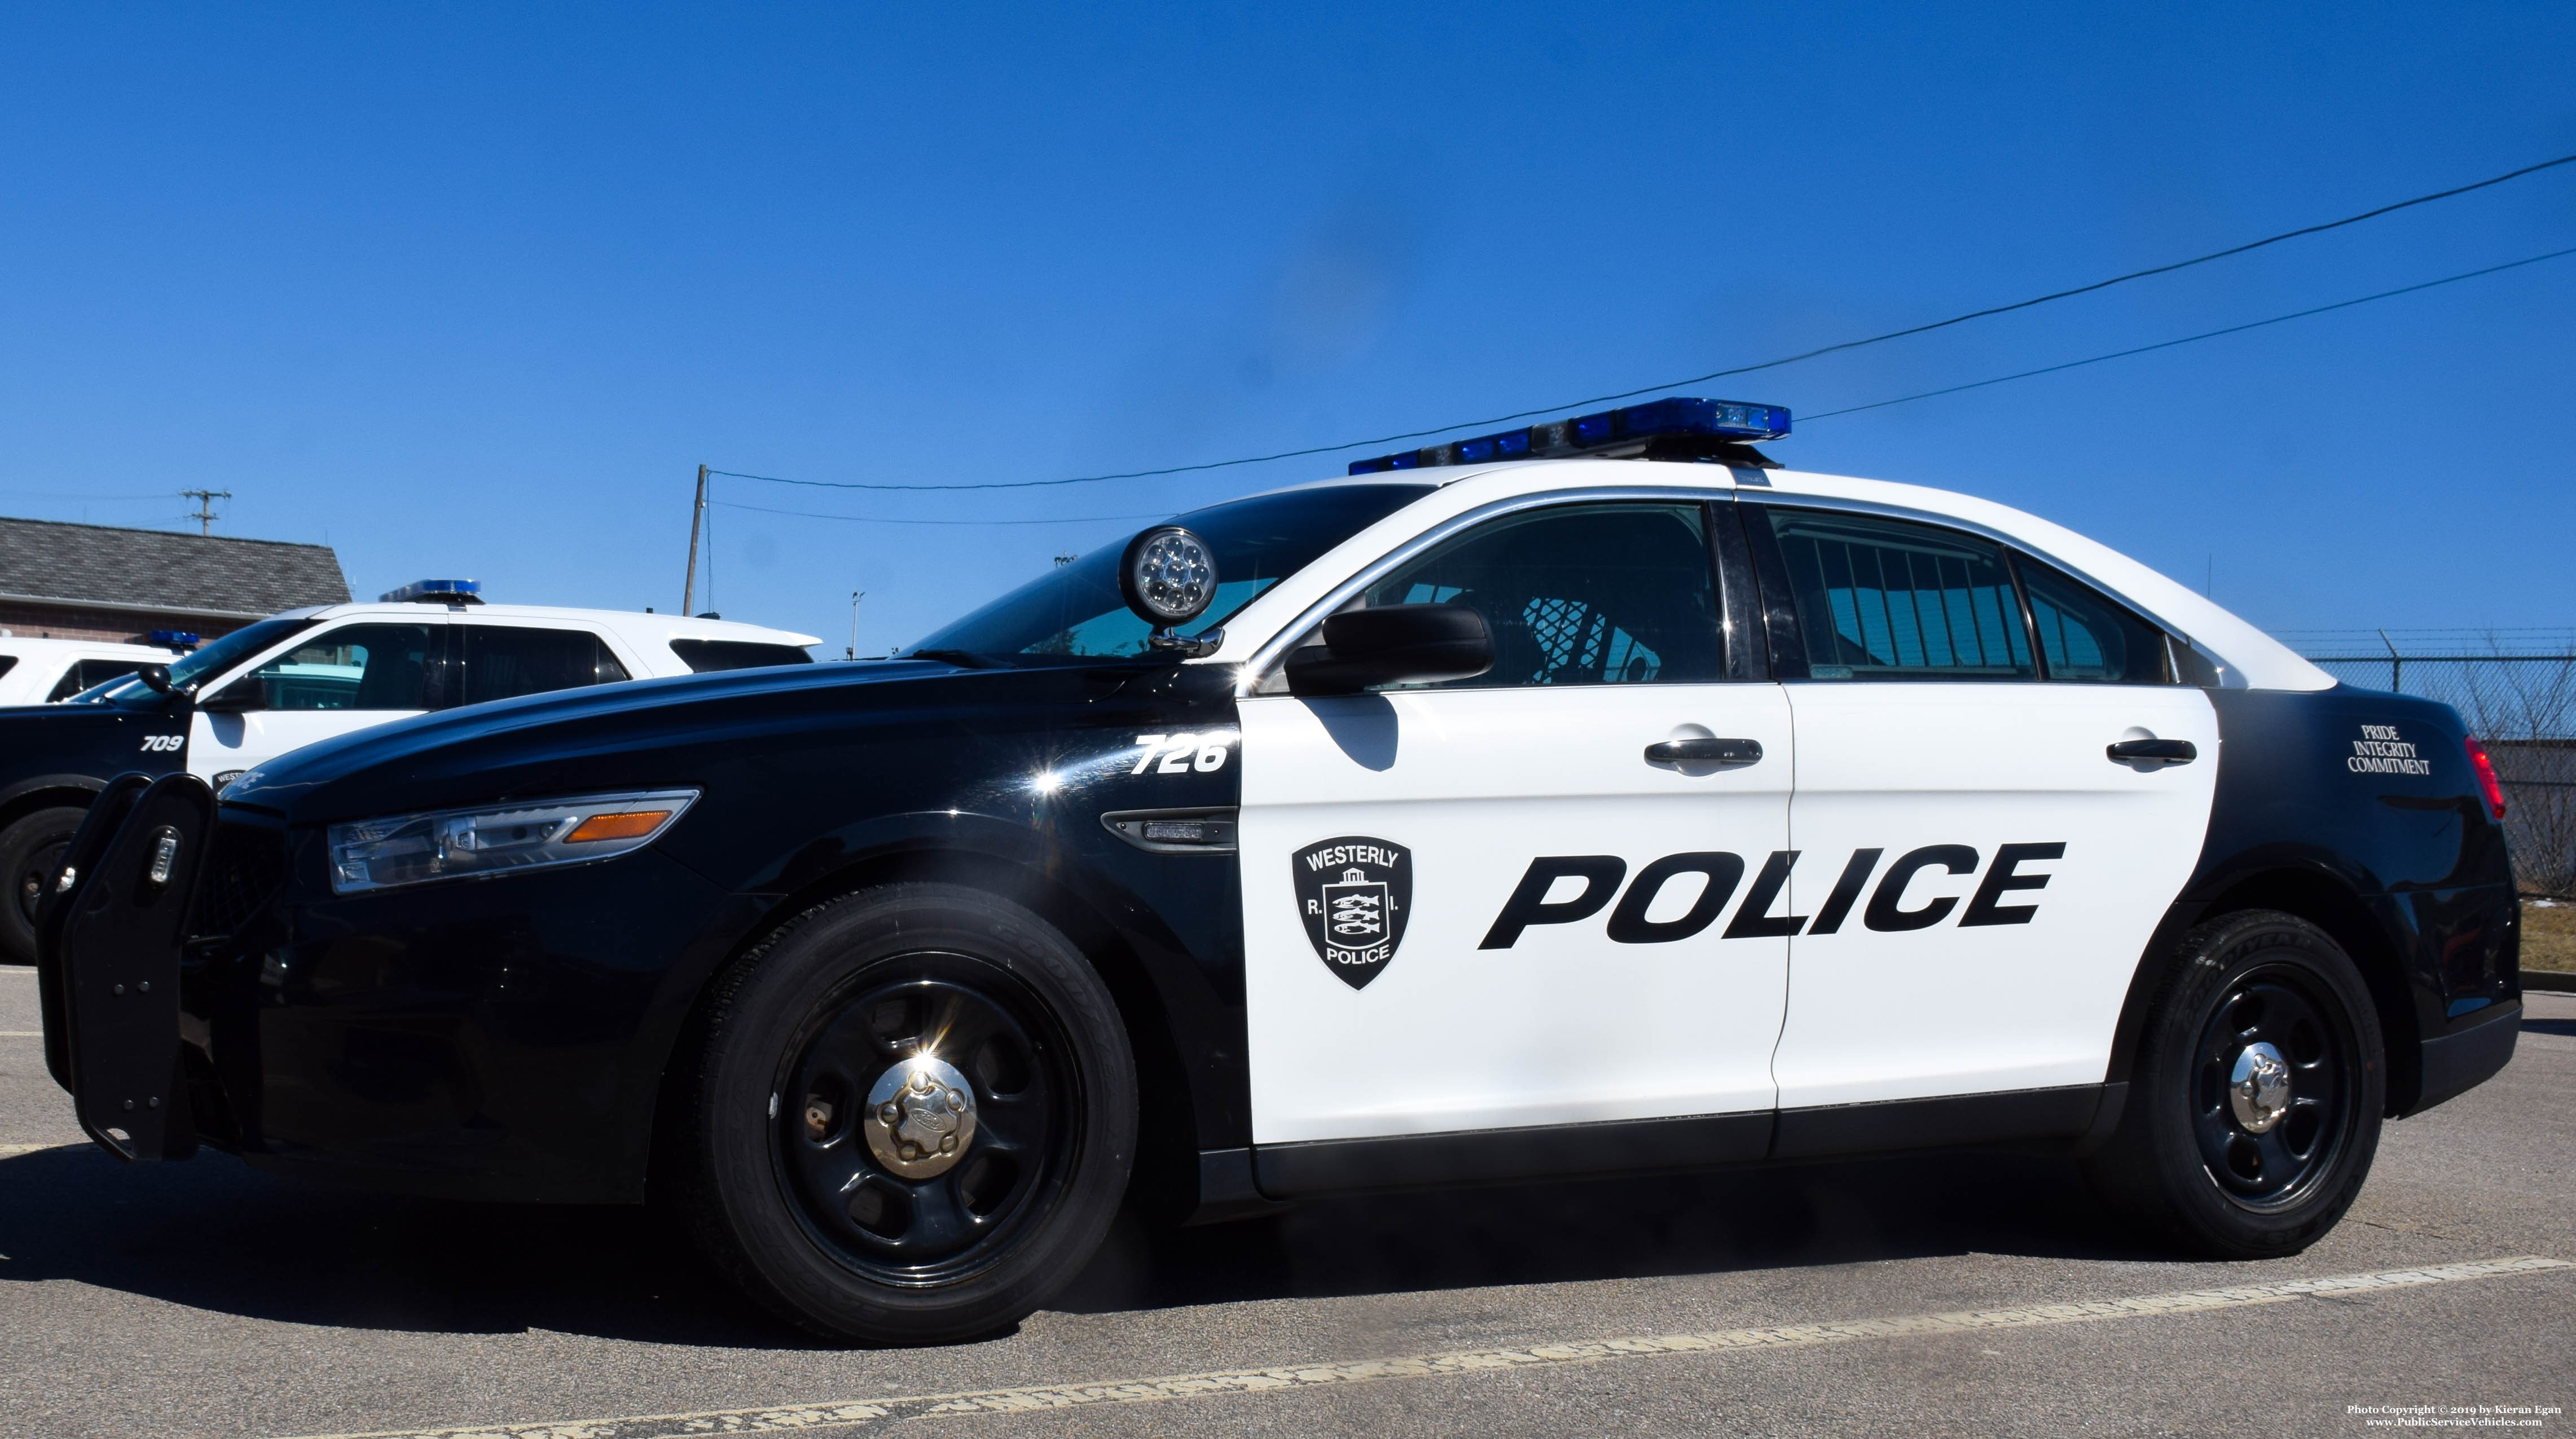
<point>1479,905</point>
<point>1978,877</point>
<point>331,682</point>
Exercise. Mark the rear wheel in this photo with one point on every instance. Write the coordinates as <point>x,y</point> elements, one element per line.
<point>910,1117</point>
<point>2253,1112</point>
<point>30,851</point>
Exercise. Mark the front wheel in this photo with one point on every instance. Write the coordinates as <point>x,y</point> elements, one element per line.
<point>2254,1108</point>
<point>908,1116</point>
<point>31,849</point>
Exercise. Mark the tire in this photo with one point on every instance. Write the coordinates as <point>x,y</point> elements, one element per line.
<point>30,851</point>
<point>783,1165</point>
<point>2268,1171</point>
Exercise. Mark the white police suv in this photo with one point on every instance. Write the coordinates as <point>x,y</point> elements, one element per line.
<point>308,675</point>
<point>1592,798</point>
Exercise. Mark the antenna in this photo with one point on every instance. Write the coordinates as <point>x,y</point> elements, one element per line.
<point>204,514</point>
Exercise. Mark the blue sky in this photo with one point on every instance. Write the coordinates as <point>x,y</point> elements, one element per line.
<point>473,290</point>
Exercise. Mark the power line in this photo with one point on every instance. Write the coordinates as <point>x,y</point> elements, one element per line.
<point>2188,339</point>
<point>2164,269</point>
<point>875,520</point>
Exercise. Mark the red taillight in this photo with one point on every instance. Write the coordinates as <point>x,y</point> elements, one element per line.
<point>2487,777</point>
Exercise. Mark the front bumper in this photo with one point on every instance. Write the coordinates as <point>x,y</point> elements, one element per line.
<point>495,1038</point>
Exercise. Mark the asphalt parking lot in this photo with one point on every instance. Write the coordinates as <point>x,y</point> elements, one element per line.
<point>1963,1294</point>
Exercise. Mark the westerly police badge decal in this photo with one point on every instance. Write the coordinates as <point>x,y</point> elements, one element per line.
<point>1354,894</point>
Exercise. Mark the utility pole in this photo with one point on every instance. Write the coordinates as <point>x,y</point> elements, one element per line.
<point>853,651</point>
<point>205,515</point>
<point>697,512</point>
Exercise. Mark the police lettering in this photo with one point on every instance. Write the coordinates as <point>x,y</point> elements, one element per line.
<point>1890,910</point>
<point>1334,856</point>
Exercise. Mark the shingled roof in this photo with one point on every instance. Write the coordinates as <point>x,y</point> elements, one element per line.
<point>155,569</point>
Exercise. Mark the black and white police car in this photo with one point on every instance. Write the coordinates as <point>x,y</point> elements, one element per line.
<point>307,675</point>
<point>1524,807</point>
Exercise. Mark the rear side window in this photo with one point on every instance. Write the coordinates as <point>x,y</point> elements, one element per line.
<point>2085,636</point>
<point>707,656</point>
<point>1890,600</point>
<point>85,673</point>
<point>504,662</point>
<point>8,663</point>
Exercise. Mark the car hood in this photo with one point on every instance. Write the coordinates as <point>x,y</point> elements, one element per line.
<point>638,733</point>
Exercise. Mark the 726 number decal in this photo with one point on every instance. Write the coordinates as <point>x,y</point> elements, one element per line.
<point>1182,753</point>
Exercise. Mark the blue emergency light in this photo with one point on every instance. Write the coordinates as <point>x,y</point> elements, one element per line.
<point>1678,419</point>
<point>454,592</point>
<point>174,639</point>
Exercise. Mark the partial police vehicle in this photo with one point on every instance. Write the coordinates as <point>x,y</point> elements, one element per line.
<point>307,675</point>
<point>1596,798</point>
<point>44,671</point>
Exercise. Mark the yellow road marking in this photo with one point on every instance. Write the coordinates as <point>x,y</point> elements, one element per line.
<point>785,1418</point>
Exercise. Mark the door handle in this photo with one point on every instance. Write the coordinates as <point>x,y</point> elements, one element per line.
<point>2169,751</point>
<point>1721,752</point>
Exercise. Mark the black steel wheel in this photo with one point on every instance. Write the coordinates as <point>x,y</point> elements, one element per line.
<point>905,1118</point>
<point>2254,1103</point>
<point>2272,1089</point>
<point>925,1217</point>
<point>31,849</point>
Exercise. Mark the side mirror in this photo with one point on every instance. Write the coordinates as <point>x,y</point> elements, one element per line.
<point>1393,644</point>
<point>239,697</point>
<point>156,676</point>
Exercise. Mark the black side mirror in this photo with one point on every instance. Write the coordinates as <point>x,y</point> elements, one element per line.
<point>240,697</point>
<point>1393,644</point>
<point>156,676</point>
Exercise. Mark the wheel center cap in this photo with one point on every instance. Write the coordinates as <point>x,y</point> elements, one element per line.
<point>2259,1089</point>
<point>921,1117</point>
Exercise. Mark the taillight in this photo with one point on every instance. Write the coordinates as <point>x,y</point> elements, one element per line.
<point>2487,777</point>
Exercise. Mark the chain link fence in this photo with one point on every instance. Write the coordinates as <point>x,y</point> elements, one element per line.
<point>2517,690</point>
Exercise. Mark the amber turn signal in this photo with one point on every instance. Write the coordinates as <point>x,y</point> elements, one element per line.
<point>617,826</point>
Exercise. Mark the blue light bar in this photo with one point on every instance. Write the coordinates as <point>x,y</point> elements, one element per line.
<point>452,591</point>
<point>1637,425</point>
<point>175,639</point>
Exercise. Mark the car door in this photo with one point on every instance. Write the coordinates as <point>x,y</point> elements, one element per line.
<point>1476,905</point>
<point>1979,878</point>
<point>328,682</point>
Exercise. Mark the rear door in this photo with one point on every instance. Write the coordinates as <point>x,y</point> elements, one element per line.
<point>1978,878</point>
<point>1478,905</point>
<point>504,661</point>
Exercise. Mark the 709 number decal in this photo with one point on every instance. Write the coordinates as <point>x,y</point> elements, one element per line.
<point>162,743</point>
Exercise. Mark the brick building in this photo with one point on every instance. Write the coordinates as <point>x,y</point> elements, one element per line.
<point>100,583</point>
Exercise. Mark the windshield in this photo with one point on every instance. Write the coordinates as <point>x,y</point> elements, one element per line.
<point>1077,613</point>
<point>204,664</point>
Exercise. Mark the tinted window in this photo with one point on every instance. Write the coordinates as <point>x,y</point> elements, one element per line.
<point>1884,599</point>
<point>706,656</point>
<point>355,667</point>
<point>85,673</point>
<point>1585,595</point>
<point>8,663</point>
<point>1076,613</point>
<point>2085,636</point>
<point>502,662</point>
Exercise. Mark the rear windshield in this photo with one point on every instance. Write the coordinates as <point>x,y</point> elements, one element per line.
<point>703,656</point>
<point>1076,613</point>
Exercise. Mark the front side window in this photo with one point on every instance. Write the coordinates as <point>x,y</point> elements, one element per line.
<point>201,666</point>
<point>2086,637</point>
<point>1579,595</point>
<point>1890,600</point>
<point>504,661</point>
<point>355,667</point>
<point>85,673</point>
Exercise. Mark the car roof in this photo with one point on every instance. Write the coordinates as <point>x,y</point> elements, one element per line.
<point>631,624</point>
<point>24,646</point>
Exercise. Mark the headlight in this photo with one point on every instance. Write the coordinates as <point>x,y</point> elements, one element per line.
<point>451,843</point>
